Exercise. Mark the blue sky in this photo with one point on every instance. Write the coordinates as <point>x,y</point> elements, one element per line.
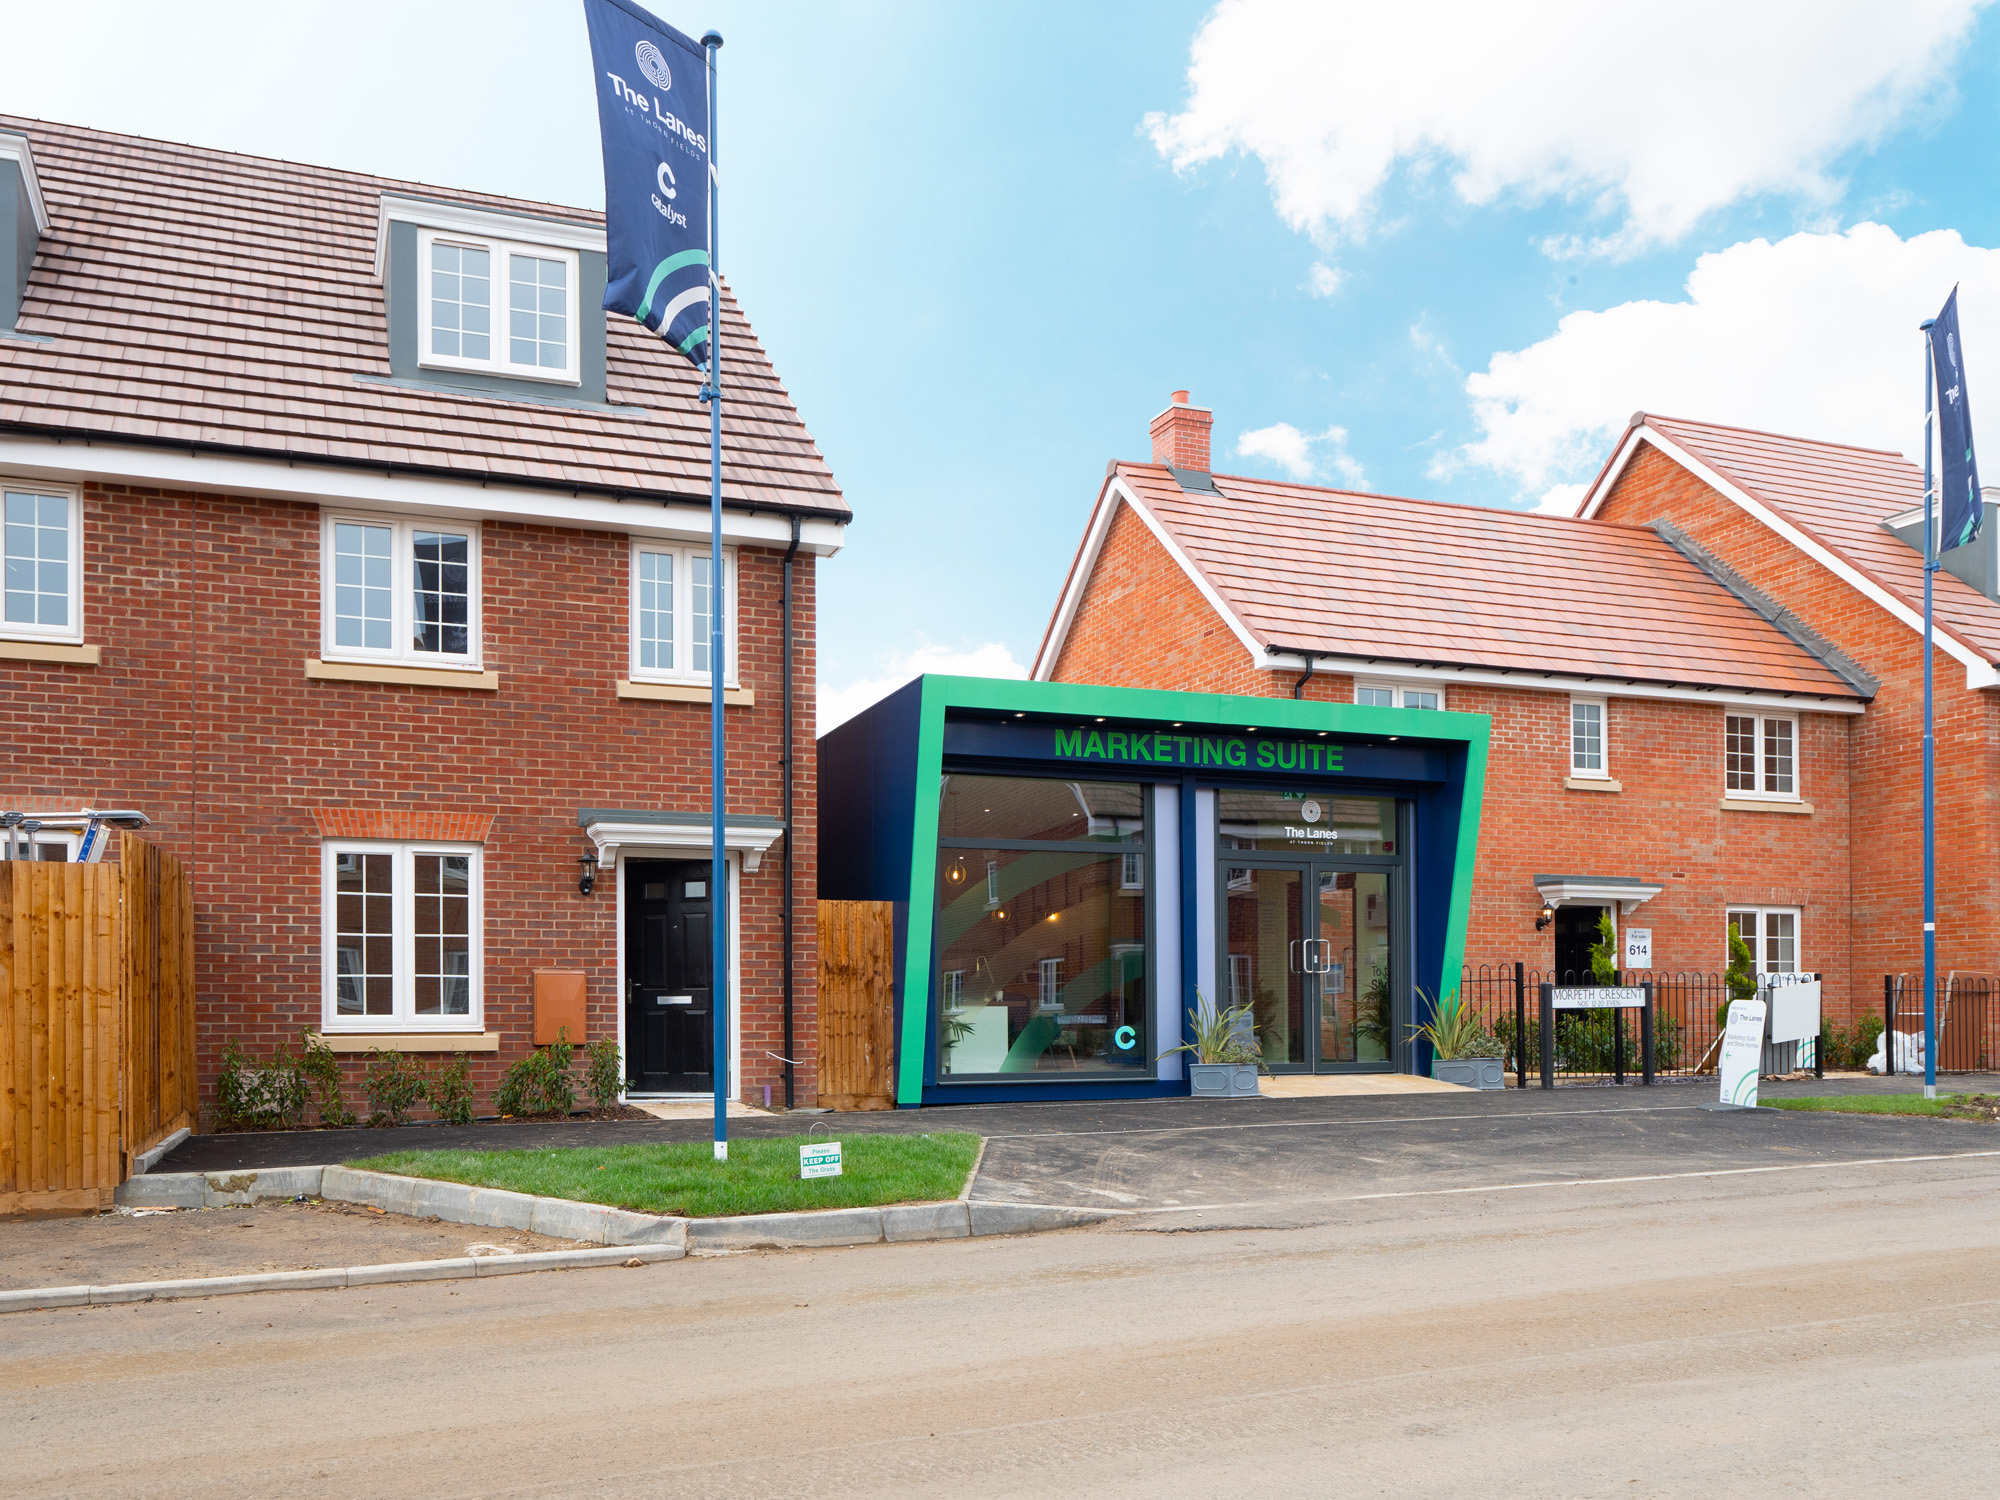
<point>983,243</point>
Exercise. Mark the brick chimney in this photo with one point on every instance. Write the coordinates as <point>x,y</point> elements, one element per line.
<point>1180,435</point>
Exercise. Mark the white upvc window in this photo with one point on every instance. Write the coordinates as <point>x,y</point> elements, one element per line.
<point>402,940</point>
<point>1050,997</point>
<point>1132,872</point>
<point>1377,693</point>
<point>1589,745</point>
<point>41,563</point>
<point>1760,756</point>
<point>396,589</point>
<point>672,594</point>
<point>497,306</point>
<point>1771,933</point>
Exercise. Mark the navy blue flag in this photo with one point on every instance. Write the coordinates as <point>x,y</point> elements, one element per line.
<point>1958,469</point>
<point>652,109</point>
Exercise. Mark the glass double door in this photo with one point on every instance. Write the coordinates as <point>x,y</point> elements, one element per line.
<point>1311,950</point>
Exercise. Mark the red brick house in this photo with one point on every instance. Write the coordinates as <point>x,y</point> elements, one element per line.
<point>349,541</point>
<point>1704,690</point>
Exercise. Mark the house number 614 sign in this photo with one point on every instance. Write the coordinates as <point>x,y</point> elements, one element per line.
<point>1638,947</point>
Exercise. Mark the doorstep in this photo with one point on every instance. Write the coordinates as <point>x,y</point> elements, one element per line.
<point>693,1109</point>
<point>1342,1085</point>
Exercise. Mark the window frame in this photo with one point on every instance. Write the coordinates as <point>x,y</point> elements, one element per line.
<point>71,633</point>
<point>498,363</point>
<point>1759,720</point>
<point>403,1017</point>
<point>1400,689</point>
<point>683,554</point>
<point>1757,954</point>
<point>1602,771</point>
<point>402,587</point>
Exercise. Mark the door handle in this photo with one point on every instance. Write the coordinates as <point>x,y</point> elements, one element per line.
<point>1292,955</point>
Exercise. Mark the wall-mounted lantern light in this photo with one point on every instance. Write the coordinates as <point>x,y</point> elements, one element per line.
<point>955,871</point>
<point>1548,915</point>
<point>587,862</point>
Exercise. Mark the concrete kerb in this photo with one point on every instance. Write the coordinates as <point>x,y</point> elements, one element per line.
<point>40,1299</point>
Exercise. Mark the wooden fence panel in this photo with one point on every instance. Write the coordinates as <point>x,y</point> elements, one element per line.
<point>96,1024</point>
<point>59,1030</point>
<point>857,989</point>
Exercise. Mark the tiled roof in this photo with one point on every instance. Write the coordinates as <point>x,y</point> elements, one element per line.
<point>197,297</point>
<point>1839,496</point>
<point>1421,582</point>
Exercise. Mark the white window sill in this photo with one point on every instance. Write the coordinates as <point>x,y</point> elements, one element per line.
<point>412,1041</point>
<point>535,373</point>
<point>359,671</point>
<point>686,692</point>
<point>55,651</point>
<point>1761,805</point>
<point>1594,784</point>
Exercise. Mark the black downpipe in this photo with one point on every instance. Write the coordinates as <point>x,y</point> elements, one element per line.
<point>785,907</point>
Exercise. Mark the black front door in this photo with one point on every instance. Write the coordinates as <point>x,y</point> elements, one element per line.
<point>669,1003</point>
<point>1576,935</point>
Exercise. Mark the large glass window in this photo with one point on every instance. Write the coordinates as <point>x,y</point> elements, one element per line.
<point>1041,928</point>
<point>1323,821</point>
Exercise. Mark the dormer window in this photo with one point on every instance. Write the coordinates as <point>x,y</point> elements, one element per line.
<point>498,307</point>
<point>490,300</point>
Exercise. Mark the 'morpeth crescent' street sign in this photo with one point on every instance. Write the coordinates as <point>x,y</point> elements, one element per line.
<point>1597,996</point>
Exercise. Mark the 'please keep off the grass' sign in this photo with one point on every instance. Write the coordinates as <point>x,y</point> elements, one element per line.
<point>819,1159</point>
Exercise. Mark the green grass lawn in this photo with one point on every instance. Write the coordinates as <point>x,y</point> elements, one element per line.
<point>760,1177</point>
<point>1945,1106</point>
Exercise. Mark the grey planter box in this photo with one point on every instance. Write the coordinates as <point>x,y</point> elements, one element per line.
<point>1472,1072</point>
<point>1222,1080</point>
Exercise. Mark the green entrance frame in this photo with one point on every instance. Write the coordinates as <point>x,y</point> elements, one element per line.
<point>941,695</point>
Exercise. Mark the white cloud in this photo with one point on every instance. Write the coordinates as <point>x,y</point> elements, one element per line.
<point>1323,280</point>
<point>1560,500</point>
<point>1813,336</point>
<point>839,704</point>
<point>1651,118</point>
<point>1305,455</point>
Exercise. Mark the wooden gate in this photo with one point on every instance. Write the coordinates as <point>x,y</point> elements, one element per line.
<point>96,1023</point>
<point>857,987</point>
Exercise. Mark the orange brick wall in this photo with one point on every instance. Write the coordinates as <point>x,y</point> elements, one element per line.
<point>1885,852</point>
<point>1142,623</point>
<point>206,608</point>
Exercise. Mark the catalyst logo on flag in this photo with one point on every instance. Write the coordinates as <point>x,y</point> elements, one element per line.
<point>1958,465</point>
<point>656,172</point>
<point>653,65</point>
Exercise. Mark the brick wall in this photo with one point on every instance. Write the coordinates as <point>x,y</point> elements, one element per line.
<point>207,607</point>
<point>1885,850</point>
<point>1141,622</point>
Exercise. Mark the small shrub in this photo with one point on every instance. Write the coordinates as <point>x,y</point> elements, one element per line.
<point>604,1073</point>
<point>1604,952</point>
<point>449,1090</point>
<point>540,1083</point>
<point>253,1095</point>
<point>394,1085</point>
<point>320,1070</point>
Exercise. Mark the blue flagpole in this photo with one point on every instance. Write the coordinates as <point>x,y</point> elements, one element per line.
<point>1930,751</point>
<point>718,901</point>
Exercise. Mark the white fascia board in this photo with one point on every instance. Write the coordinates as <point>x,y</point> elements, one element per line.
<point>328,484</point>
<point>1556,682</point>
<point>1072,596</point>
<point>1195,576</point>
<point>1116,491</point>
<point>487,223</point>
<point>15,148</point>
<point>1979,672</point>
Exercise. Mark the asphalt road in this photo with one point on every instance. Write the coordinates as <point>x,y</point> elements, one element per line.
<point>1834,1329</point>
